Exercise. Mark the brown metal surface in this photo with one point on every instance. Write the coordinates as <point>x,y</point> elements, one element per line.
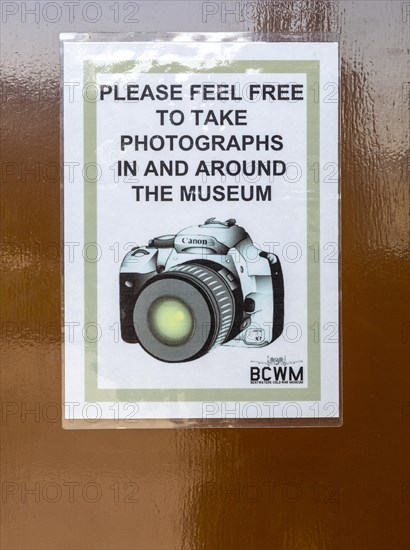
<point>340,488</point>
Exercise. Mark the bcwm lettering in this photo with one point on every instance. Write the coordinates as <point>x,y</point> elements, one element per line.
<point>281,374</point>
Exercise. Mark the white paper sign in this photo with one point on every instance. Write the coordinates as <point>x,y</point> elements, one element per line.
<point>200,230</point>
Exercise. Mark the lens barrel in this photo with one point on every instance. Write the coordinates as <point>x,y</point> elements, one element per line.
<point>203,319</point>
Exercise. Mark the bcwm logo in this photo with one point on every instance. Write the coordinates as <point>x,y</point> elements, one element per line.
<point>276,370</point>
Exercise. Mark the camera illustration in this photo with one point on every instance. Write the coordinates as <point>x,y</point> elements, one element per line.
<point>183,295</point>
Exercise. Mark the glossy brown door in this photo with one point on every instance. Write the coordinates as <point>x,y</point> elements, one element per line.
<point>342,488</point>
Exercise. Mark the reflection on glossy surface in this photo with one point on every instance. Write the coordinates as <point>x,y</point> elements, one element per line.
<point>343,488</point>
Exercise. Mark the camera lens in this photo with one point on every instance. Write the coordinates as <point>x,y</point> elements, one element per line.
<point>184,312</point>
<point>171,321</point>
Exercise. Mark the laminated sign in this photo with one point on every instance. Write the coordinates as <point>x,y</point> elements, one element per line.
<point>200,231</point>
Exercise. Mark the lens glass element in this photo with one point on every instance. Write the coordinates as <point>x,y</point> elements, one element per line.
<point>171,321</point>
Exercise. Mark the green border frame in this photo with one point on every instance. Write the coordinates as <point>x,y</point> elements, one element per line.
<point>312,392</point>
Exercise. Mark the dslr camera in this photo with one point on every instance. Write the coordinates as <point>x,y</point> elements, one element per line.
<point>183,295</point>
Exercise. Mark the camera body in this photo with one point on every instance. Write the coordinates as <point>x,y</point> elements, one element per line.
<point>230,292</point>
